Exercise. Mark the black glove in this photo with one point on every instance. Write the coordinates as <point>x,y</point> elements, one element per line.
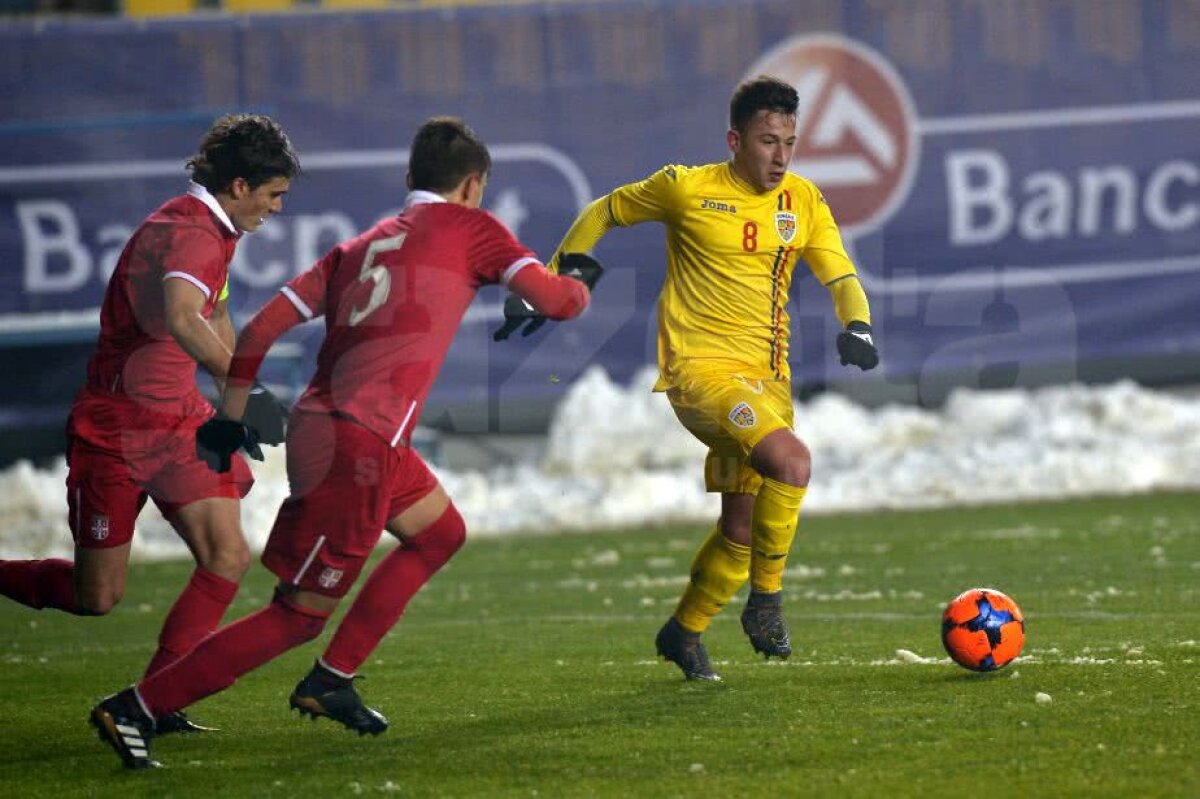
<point>266,415</point>
<point>518,312</point>
<point>582,267</point>
<point>220,437</point>
<point>856,346</point>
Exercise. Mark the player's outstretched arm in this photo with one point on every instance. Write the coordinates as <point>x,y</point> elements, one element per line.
<point>274,319</point>
<point>538,294</point>
<point>585,232</point>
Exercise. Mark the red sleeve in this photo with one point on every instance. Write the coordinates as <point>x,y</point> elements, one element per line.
<point>196,255</point>
<point>273,320</point>
<point>553,296</point>
<point>307,290</point>
<point>494,255</point>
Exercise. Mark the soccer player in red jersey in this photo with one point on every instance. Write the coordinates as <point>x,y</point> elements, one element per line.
<point>131,431</point>
<point>392,300</point>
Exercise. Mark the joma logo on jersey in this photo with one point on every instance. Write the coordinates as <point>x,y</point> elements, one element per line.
<point>713,205</point>
<point>330,577</point>
<point>785,226</point>
<point>99,528</point>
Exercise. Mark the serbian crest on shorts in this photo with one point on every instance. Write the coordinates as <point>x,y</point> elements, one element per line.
<point>742,415</point>
<point>99,528</point>
<point>785,226</point>
<point>330,577</point>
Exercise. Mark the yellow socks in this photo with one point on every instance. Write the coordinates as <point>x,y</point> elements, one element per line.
<point>776,514</point>
<point>718,571</point>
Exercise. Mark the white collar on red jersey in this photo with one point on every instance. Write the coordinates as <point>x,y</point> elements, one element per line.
<point>205,196</point>
<point>420,197</point>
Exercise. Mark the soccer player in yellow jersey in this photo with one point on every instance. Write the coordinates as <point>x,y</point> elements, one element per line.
<point>735,231</point>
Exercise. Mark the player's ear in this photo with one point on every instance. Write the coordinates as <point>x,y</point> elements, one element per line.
<point>473,186</point>
<point>733,139</point>
<point>239,188</point>
<point>408,179</point>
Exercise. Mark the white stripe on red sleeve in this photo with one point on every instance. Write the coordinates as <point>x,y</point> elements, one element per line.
<point>301,306</point>
<point>516,266</point>
<point>195,281</point>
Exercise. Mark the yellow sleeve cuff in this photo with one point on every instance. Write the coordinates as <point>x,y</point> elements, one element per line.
<point>849,300</point>
<point>590,226</point>
<point>224,295</point>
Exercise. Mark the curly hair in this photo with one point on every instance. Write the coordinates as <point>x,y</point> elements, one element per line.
<point>249,146</point>
<point>444,151</point>
<point>763,93</point>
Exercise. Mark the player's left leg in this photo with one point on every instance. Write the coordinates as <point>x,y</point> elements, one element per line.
<point>785,465</point>
<point>212,529</point>
<point>204,509</point>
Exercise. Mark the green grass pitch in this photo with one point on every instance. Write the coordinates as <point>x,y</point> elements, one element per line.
<point>526,668</point>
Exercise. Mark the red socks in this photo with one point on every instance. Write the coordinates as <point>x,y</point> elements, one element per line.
<point>236,649</point>
<point>386,592</point>
<point>40,583</point>
<point>196,613</point>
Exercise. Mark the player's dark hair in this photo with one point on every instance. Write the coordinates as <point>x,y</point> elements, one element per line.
<point>247,146</point>
<point>762,93</point>
<point>445,151</point>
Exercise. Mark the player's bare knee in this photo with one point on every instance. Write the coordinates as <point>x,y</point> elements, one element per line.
<point>97,601</point>
<point>231,560</point>
<point>796,466</point>
<point>783,457</point>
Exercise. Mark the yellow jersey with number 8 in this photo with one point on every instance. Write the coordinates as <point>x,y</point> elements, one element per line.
<point>731,252</point>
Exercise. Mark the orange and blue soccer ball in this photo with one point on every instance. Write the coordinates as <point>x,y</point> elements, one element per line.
<point>982,629</point>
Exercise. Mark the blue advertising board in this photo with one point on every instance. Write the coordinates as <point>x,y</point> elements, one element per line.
<point>1018,183</point>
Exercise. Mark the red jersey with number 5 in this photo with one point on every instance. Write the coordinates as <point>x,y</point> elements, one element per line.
<point>393,299</point>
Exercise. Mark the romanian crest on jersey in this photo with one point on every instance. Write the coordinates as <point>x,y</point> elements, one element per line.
<point>742,415</point>
<point>99,528</point>
<point>785,225</point>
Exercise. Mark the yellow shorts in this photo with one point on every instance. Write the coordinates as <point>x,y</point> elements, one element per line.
<point>731,414</point>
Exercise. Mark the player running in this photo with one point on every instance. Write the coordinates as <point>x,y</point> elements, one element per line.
<point>734,232</point>
<point>392,299</point>
<point>132,427</point>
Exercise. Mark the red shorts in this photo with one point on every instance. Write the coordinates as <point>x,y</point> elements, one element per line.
<point>107,489</point>
<point>346,484</point>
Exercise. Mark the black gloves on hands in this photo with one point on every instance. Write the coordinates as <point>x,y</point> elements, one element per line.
<point>518,312</point>
<point>266,415</point>
<point>219,437</point>
<point>584,268</point>
<point>856,346</point>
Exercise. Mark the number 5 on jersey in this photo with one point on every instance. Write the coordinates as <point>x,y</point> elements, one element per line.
<point>377,274</point>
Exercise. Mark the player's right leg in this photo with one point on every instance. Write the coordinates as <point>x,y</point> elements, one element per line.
<point>719,569</point>
<point>343,483</point>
